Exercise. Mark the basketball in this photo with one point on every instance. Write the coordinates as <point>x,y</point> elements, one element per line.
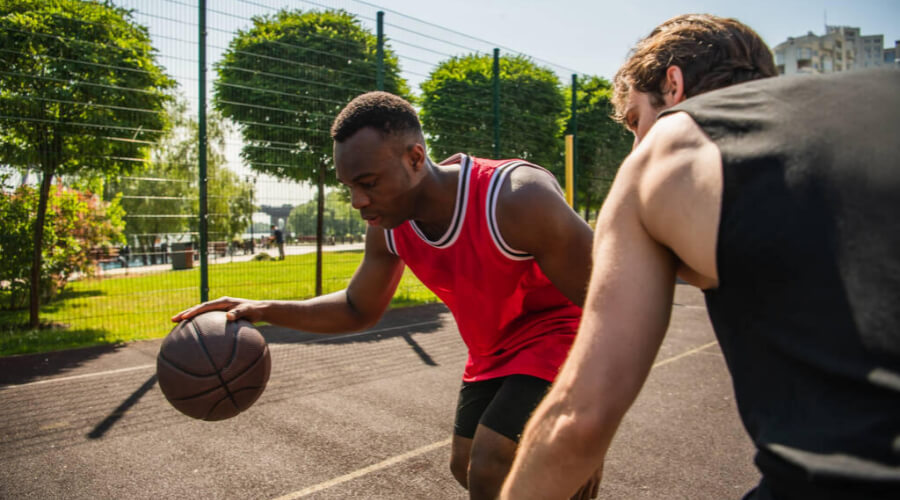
<point>212,369</point>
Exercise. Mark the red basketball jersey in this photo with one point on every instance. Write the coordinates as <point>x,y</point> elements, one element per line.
<point>511,317</point>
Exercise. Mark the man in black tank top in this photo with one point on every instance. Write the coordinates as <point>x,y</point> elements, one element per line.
<point>780,198</point>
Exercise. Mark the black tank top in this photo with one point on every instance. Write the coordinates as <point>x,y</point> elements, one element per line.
<point>807,311</point>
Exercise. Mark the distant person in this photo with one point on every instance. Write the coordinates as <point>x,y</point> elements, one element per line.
<point>780,199</point>
<point>164,250</point>
<point>278,238</point>
<point>124,254</point>
<point>512,275</point>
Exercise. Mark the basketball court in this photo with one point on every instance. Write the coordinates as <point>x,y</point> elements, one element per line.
<point>365,415</point>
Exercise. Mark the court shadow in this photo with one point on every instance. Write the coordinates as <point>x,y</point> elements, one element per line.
<point>402,323</point>
<point>120,411</point>
<point>22,368</point>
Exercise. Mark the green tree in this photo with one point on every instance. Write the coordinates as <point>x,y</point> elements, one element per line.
<point>163,199</point>
<point>80,90</point>
<point>457,109</point>
<point>340,219</point>
<point>602,142</point>
<point>285,79</point>
<point>79,221</point>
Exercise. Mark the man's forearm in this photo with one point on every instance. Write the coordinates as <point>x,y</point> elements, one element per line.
<point>330,313</point>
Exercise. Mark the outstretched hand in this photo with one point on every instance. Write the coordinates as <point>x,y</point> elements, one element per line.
<point>250,310</point>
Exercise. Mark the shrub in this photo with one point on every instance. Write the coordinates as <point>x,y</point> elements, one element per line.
<point>76,222</point>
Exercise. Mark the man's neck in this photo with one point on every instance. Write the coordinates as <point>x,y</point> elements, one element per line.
<point>437,200</point>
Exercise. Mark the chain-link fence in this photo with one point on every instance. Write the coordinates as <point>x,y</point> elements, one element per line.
<point>198,136</point>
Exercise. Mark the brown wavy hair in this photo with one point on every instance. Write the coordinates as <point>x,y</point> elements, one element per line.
<point>712,52</point>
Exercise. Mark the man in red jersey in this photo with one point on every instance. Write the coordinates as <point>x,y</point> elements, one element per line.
<point>494,239</point>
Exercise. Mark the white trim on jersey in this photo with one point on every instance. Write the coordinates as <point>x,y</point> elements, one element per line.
<point>459,211</point>
<point>389,241</point>
<point>497,178</point>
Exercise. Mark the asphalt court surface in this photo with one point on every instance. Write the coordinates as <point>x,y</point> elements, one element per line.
<point>364,415</point>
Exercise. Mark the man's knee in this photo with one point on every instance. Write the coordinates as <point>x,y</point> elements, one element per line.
<point>488,467</point>
<point>459,459</point>
<point>459,467</point>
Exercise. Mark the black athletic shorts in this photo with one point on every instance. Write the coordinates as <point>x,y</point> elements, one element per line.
<point>500,404</point>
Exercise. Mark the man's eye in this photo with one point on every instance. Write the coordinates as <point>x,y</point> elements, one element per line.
<point>367,185</point>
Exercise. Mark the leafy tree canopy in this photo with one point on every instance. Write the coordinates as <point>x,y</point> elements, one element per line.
<point>80,87</point>
<point>285,79</point>
<point>457,109</point>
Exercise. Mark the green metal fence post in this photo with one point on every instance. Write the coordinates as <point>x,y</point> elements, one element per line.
<point>201,133</point>
<point>574,132</point>
<point>496,81</point>
<point>379,53</point>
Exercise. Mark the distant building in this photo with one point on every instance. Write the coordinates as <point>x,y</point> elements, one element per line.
<point>841,48</point>
<point>892,55</point>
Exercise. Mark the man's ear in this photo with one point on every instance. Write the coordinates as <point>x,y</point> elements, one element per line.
<point>416,154</point>
<point>673,89</point>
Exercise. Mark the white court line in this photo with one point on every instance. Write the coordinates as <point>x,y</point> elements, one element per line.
<point>686,353</point>
<point>365,470</point>
<point>325,337</point>
<point>425,449</point>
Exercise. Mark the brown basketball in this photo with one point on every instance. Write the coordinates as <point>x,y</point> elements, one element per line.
<point>212,369</point>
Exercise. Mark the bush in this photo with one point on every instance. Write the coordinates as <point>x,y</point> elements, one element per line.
<point>76,222</point>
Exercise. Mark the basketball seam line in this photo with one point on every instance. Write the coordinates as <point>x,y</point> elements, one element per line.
<point>200,375</point>
<point>194,330</point>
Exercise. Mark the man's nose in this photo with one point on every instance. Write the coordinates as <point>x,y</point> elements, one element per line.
<point>358,199</point>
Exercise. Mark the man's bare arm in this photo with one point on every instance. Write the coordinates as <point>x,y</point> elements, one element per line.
<point>642,237</point>
<point>533,217</point>
<point>358,306</point>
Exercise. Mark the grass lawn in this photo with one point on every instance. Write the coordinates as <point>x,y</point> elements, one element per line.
<point>138,306</point>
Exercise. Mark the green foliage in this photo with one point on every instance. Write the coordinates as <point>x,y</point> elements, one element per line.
<point>80,87</point>
<point>457,109</point>
<point>340,219</point>
<point>286,78</point>
<point>602,142</point>
<point>163,199</point>
<point>78,222</point>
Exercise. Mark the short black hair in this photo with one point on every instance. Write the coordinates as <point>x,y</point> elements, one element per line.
<point>382,111</point>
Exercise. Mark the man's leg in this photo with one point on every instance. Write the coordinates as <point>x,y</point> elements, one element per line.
<point>460,450</point>
<point>491,458</point>
<point>502,407</point>
<point>474,398</point>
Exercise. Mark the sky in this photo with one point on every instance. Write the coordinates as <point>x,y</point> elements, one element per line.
<point>593,37</point>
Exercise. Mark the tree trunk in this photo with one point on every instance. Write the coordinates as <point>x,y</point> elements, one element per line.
<point>35,303</point>
<point>320,209</point>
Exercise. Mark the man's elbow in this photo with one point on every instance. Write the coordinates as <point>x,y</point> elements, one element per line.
<point>582,430</point>
<point>359,319</point>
